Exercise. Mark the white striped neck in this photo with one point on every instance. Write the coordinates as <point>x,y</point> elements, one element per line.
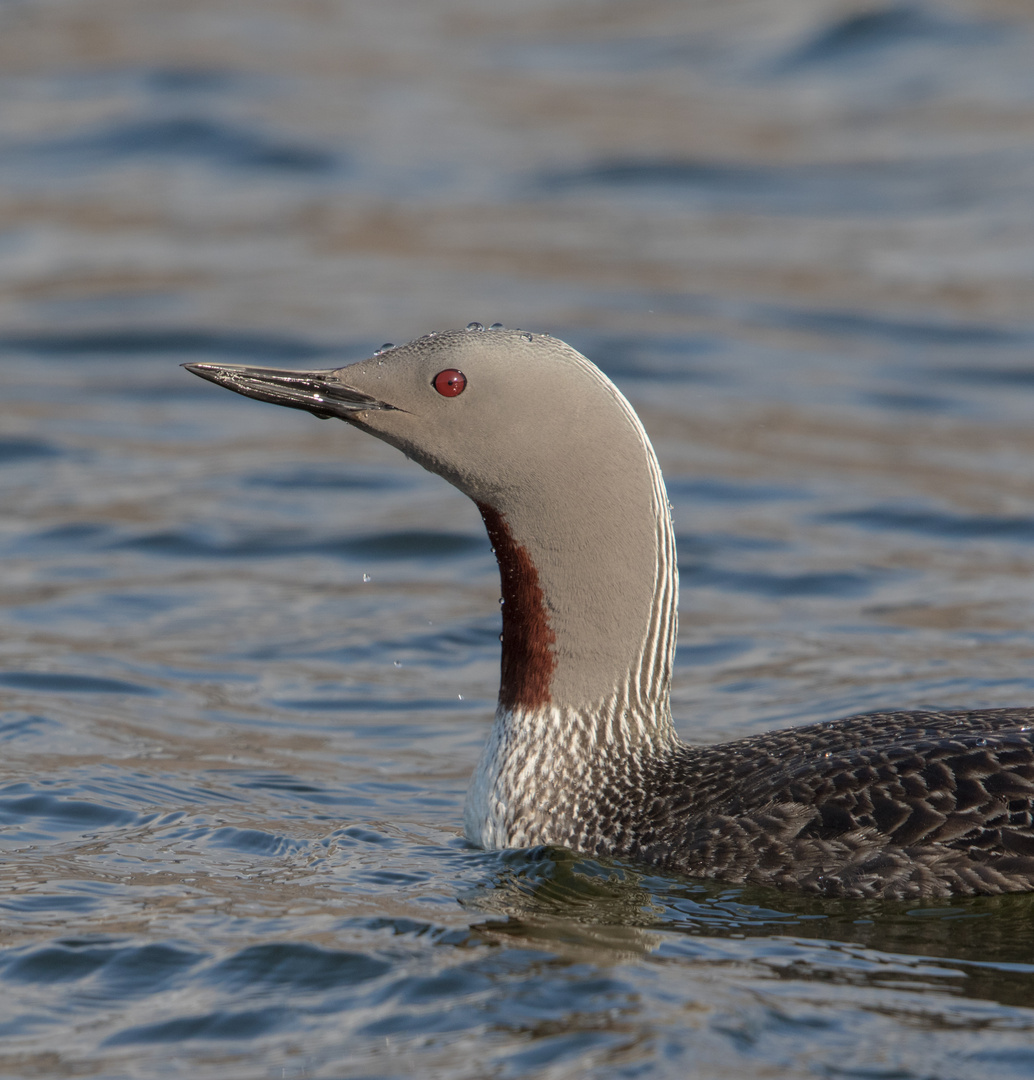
<point>590,594</point>
<point>544,774</point>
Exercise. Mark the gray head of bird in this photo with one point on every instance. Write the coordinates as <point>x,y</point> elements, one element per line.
<point>565,479</point>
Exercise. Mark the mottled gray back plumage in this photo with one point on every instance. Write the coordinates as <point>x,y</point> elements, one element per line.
<point>583,752</point>
<point>891,804</point>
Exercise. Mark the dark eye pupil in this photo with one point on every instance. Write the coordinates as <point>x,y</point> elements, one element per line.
<point>449,383</point>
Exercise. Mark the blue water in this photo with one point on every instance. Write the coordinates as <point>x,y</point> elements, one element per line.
<point>248,660</point>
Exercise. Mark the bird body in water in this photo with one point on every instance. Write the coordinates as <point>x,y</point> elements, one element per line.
<point>583,752</point>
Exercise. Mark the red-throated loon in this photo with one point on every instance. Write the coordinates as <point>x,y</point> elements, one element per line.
<point>583,752</point>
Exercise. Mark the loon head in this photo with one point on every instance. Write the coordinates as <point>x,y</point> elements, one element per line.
<point>567,484</point>
<point>492,411</point>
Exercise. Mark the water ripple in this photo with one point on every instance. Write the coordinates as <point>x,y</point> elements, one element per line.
<point>159,343</point>
<point>197,137</point>
<point>892,189</point>
<point>221,1025</point>
<point>939,523</point>
<point>861,37</point>
<point>20,803</point>
<point>55,682</point>
<point>25,448</point>
<point>813,583</point>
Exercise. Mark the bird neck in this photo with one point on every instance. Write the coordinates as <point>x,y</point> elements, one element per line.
<point>583,536</point>
<point>589,627</point>
<point>589,593</point>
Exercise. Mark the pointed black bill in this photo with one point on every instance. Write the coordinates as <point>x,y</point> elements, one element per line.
<point>317,392</point>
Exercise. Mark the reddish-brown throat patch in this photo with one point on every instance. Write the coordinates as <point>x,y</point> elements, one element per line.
<point>528,639</point>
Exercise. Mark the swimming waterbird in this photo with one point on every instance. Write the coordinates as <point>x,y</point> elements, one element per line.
<point>583,752</point>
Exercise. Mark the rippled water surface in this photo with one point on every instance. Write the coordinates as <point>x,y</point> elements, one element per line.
<point>247,660</point>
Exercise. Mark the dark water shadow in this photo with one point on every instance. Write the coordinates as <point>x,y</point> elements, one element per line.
<point>194,80</point>
<point>840,323</point>
<point>761,583</point>
<point>856,188</point>
<point>21,804</point>
<point>162,342</point>
<point>981,947</point>
<point>722,490</point>
<point>991,376</point>
<point>654,358</point>
<point>903,401</point>
<point>939,523</point>
<point>187,137</point>
<point>25,448</point>
<point>331,478</point>
<point>210,543</point>
<point>56,682</point>
<point>149,968</point>
<point>861,38</point>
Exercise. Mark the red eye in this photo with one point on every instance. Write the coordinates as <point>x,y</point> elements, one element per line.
<point>450,382</point>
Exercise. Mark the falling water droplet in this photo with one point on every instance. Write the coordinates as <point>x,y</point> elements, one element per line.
<point>366,577</point>
<point>397,663</point>
<point>474,326</point>
<point>460,696</point>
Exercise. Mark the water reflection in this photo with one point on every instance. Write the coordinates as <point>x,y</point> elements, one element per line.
<point>979,947</point>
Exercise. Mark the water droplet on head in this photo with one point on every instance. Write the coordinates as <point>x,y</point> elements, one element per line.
<point>501,601</point>
<point>527,337</point>
<point>366,577</point>
<point>500,637</point>
<point>474,326</point>
<point>496,326</point>
<point>386,346</point>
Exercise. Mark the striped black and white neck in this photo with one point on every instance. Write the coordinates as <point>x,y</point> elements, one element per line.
<point>583,752</point>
